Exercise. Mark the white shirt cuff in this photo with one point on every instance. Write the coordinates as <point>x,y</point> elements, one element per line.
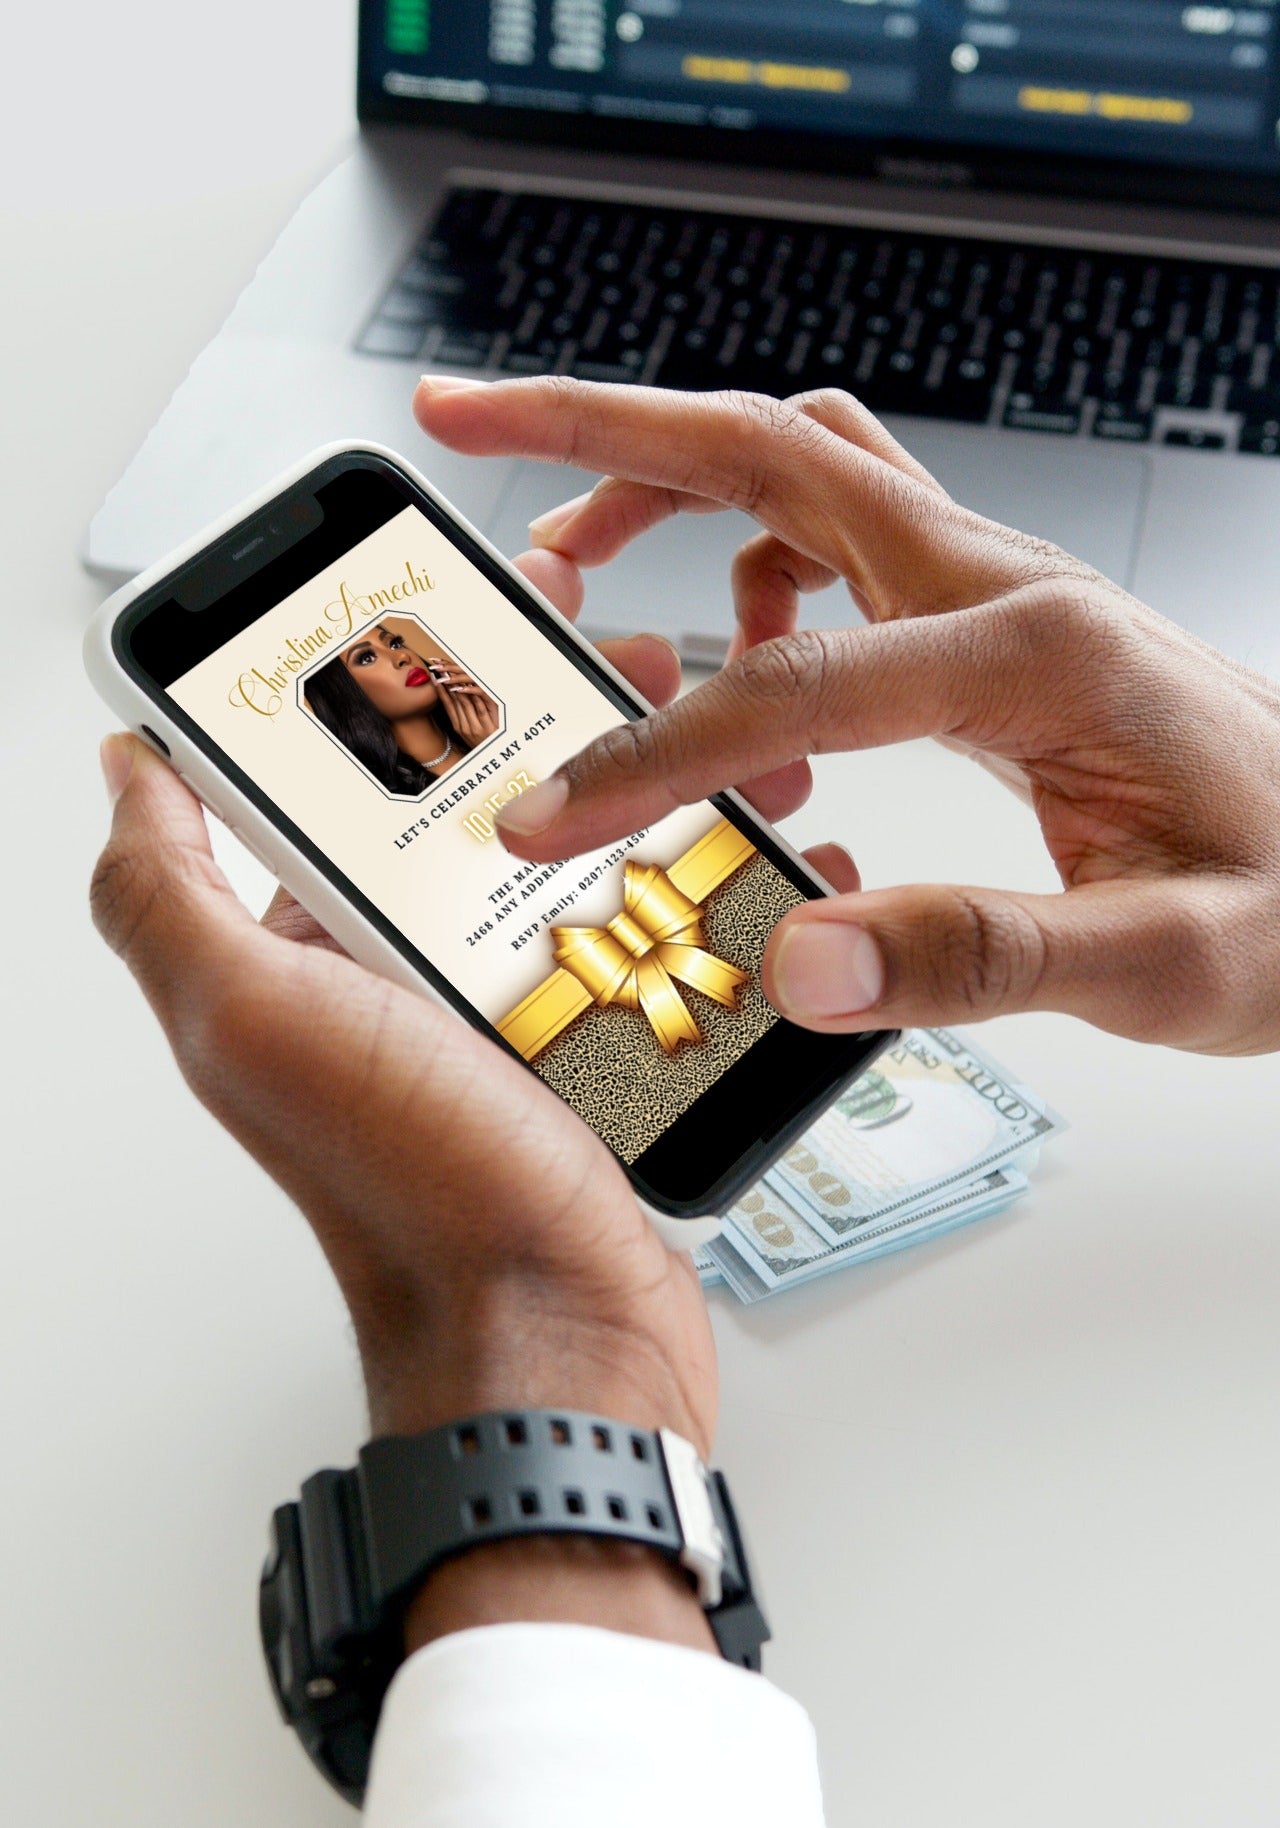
<point>568,1726</point>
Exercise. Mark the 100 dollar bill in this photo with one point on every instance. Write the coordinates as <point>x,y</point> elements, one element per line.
<point>934,1114</point>
<point>710,1274</point>
<point>768,1245</point>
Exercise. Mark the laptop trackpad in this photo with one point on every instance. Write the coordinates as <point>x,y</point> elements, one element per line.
<point>675,582</point>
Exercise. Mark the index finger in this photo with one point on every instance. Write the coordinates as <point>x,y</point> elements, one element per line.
<point>834,496</point>
<point>802,695</point>
<point>824,495</point>
<point>595,528</point>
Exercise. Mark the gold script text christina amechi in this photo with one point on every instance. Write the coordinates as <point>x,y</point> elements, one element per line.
<point>260,688</point>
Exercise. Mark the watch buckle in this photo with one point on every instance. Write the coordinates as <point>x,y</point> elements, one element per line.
<point>703,1549</point>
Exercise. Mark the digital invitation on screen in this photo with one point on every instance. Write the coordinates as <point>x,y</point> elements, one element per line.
<point>390,707</point>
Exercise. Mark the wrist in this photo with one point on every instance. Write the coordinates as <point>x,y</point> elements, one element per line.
<point>550,1579</point>
<point>505,1350</point>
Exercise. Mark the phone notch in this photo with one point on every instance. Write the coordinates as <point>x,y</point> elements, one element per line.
<point>252,547</point>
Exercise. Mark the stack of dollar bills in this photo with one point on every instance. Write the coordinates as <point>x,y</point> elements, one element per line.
<point>936,1135</point>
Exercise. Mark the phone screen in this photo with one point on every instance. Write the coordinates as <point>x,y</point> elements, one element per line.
<point>385,690</point>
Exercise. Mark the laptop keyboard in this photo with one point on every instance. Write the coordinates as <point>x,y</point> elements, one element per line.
<point>1078,343</point>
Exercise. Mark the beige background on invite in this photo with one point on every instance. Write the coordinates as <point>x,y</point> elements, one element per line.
<point>436,889</point>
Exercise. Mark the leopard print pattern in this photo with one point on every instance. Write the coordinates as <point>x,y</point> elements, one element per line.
<point>609,1065</point>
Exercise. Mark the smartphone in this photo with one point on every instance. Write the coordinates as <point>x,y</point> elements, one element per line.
<point>292,665</point>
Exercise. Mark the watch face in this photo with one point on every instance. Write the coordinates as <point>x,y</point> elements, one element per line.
<point>331,1701</point>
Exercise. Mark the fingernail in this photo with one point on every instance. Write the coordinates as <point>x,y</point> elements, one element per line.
<point>825,968</point>
<point>449,383</point>
<point>116,760</point>
<point>542,530</point>
<point>535,810</point>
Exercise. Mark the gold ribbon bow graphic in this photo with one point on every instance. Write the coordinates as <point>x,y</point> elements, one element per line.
<point>634,960</point>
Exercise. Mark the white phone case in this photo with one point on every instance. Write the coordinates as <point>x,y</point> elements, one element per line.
<point>257,833</point>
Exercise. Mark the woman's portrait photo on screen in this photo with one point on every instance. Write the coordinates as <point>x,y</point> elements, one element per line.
<point>402,705</point>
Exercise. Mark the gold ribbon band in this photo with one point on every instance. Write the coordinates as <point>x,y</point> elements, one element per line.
<point>635,960</point>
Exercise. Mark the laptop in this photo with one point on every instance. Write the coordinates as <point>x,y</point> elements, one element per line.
<point>1041,238</point>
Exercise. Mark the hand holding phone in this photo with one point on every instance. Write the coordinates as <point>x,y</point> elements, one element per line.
<point>487,1244</point>
<point>282,662</point>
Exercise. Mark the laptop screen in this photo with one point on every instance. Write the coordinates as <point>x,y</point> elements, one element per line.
<point>1123,85</point>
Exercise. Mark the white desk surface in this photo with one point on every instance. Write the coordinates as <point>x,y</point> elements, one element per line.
<point>1016,1498</point>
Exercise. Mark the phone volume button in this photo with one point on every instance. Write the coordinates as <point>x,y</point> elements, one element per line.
<point>201,795</point>
<point>253,850</point>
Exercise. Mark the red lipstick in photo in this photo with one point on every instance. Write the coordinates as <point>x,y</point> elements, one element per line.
<point>417,676</point>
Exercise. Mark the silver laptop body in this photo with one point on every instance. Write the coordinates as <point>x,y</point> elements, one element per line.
<point>1184,517</point>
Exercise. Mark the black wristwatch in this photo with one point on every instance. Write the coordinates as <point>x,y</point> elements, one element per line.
<point>347,1558</point>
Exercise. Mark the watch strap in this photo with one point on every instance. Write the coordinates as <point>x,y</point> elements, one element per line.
<point>489,1478</point>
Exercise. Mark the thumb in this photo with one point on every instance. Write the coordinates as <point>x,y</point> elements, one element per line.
<point>1146,957</point>
<point>157,896</point>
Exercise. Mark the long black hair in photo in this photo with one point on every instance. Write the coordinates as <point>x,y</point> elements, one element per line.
<point>345,711</point>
